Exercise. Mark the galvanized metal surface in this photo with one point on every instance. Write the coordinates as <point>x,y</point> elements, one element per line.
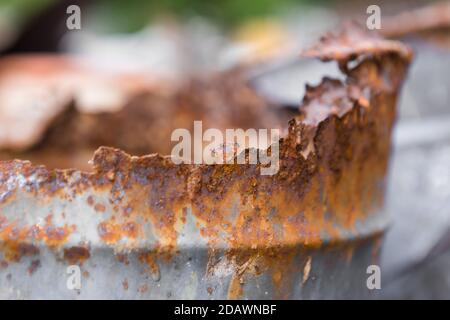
<point>416,249</point>
<point>415,252</point>
<point>143,227</point>
<point>339,272</point>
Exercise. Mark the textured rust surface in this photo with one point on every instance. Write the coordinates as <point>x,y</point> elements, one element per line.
<point>333,161</point>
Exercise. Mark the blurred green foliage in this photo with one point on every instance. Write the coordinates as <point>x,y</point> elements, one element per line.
<point>24,8</point>
<point>131,15</point>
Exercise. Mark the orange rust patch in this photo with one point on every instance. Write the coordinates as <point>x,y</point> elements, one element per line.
<point>109,232</point>
<point>99,207</point>
<point>143,288</point>
<point>56,236</point>
<point>14,241</point>
<point>76,255</point>
<point>125,284</point>
<point>130,229</point>
<point>235,290</point>
<point>376,250</point>
<point>123,258</point>
<point>149,259</point>
<point>90,201</point>
<point>34,265</point>
<point>13,251</point>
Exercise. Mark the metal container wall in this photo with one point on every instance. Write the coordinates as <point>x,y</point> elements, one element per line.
<point>143,227</point>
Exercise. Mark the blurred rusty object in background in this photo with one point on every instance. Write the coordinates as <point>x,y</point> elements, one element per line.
<point>429,18</point>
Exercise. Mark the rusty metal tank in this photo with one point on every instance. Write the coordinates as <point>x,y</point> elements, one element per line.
<point>142,227</point>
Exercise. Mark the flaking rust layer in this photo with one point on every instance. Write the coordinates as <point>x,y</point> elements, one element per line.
<point>327,194</point>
